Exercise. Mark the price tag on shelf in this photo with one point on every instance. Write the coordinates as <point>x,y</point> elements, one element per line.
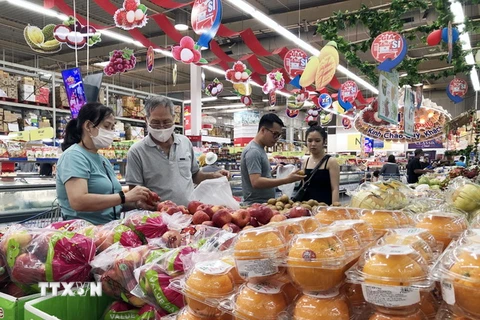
<point>19,135</point>
<point>40,134</point>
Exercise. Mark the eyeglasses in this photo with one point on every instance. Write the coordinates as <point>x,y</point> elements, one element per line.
<point>276,135</point>
<point>159,125</point>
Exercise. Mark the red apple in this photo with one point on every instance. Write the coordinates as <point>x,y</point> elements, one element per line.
<point>172,238</point>
<point>153,199</point>
<point>232,227</point>
<point>40,244</point>
<point>199,217</point>
<point>208,223</point>
<point>28,269</point>
<point>298,212</point>
<point>173,210</point>
<point>278,218</point>
<point>163,206</point>
<point>14,290</point>
<point>241,217</point>
<point>216,208</point>
<point>207,209</point>
<point>183,209</point>
<point>193,206</point>
<point>261,213</point>
<point>221,218</point>
<point>253,222</point>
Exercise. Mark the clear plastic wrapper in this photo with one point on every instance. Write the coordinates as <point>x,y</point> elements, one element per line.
<point>391,276</point>
<point>464,194</point>
<point>325,306</point>
<point>363,228</point>
<point>380,220</point>
<point>38,255</point>
<point>317,261</point>
<point>120,310</point>
<point>459,276</point>
<point>257,253</point>
<point>417,243</point>
<point>449,312</point>
<point>412,314</point>
<point>76,225</point>
<point>444,226</point>
<point>354,295</point>
<point>309,224</point>
<point>423,234</point>
<point>421,205</point>
<point>470,236</point>
<point>327,215</point>
<point>172,261</point>
<point>111,233</point>
<point>185,314</point>
<point>148,312</point>
<point>390,195</point>
<point>288,229</point>
<point>429,304</point>
<point>348,235</point>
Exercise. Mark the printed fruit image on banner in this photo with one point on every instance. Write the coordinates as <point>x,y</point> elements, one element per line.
<point>42,40</point>
<point>295,62</point>
<point>347,124</point>
<point>238,74</point>
<point>242,89</point>
<point>120,61</point>
<point>187,52</point>
<point>297,100</point>
<point>150,59</point>
<point>214,88</point>
<point>291,113</point>
<point>321,69</point>
<point>273,82</point>
<point>206,18</point>
<point>76,35</point>
<point>132,15</point>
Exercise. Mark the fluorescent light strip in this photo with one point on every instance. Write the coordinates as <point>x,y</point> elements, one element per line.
<point>236,105</point>
<point>203,99</point>
<point>459,17</point>
<point>267,21</point>
<point>231,98</point>
<point>39,9</point>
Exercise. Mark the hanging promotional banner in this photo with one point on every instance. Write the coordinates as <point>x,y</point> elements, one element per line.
<point>150,59</point>
<point>388,97</point>
<point>456,90</point>
<point>409,113</point>
<point>349,91</point>
<point>321,70</point>
<point>42,40</point>
<point>214,88</point>
<point>206,19</point>
<point>429,144</point>
<point>325,101</point>
<point>272,99</point>
<point>292,113</point>
<point>326,118</point>
<point>294,104</point>
<point>174,74</point>
<point>347,124</point>
<point>132,15</point>
<point>418,96</point>
<point>73,34</point>
<point>238,73</point>
<point>295,61</point>
<point>389,48</point>
<point>450,42</point>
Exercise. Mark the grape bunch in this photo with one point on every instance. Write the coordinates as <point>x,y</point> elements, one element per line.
<point>120,61</point>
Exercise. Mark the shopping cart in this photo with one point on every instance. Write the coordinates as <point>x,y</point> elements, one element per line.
<point>43,219</point>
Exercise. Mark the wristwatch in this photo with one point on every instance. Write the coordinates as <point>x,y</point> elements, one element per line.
<point>122,196</point>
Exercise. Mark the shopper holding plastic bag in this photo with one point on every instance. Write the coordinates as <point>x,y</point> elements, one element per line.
<point>283,172</point>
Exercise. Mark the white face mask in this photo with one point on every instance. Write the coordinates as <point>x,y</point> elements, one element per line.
<point>103,139</point>
<point>161,135</point>
<point>422,159</point>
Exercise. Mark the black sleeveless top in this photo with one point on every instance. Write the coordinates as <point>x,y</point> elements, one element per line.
<point>320,188</point>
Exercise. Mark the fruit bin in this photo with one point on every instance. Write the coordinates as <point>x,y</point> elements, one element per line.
<point>66,307</point>
<point>12,308</point>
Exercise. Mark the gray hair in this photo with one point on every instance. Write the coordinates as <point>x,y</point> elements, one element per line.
<point>158,101</point>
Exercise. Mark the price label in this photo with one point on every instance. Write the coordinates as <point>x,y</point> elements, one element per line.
<point>349,91</point>
<point>458,87</point>
<point>292,113</point>
<point>40,134</point>
<point>19,136</point>
<point>387,45</point>
<point>295,62</point>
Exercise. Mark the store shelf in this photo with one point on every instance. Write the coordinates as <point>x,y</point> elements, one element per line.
<point>130,119</point>
<point>31,106</point>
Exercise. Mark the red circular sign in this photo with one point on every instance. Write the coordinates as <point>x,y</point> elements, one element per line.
<point>292,113</point>
<point>458,87</point>
<point>387,45</point>
<point>349,91</point>
<point>295,62</point>
<point>347,124</point>
<point>204,13</point>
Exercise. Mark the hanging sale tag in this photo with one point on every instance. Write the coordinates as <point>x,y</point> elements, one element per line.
<point>40,134</point>
<point>206,19</point>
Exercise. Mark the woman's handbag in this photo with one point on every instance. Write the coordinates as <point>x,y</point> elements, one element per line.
<point>298,196</point>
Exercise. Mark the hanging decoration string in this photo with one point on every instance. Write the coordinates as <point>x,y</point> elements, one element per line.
<point>75,30</point>
<point>88,31</point>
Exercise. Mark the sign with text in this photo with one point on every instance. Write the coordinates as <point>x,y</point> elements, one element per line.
<point>388,97</point>
<point>295,62</point>
<point>409,113</point>
<point>429,144</point>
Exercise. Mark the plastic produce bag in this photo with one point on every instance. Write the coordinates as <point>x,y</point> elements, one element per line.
<point>120,310</point>
<point>148,312</point>
<point>71,225</point>
<point>151,225</point>
<point>282,172</point>
<point>216,192</point>
<point>113,232</point>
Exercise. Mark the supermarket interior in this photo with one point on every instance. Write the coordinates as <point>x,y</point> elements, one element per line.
<point>239,159</point>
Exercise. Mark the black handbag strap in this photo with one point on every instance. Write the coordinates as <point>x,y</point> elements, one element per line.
<point>307,183</point>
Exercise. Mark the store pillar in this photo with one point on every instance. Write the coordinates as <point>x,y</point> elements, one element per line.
<point>196,98</point>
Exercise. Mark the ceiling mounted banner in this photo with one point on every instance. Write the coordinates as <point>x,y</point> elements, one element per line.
<point>188,52</point>
<point>388,97</point>
<point>42,40</point>
<point>120,61</point>
<point>76,35</point>
<point>214,88</point>
<point>456,90</point>
<point>238,74</point>
<point>206,19</point>
<point>292,113</point>
<point>132,15</point>
<point>389,48</point>
<point>321,70</point>
<point>294,62</point>
<point>150,59</point>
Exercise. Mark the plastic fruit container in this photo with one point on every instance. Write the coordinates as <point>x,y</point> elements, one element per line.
<point>326,306</point>
<point>234,273</point>
<point>327,215</point>
<point>289,290</point>
<point>417,243</point>
<point>260,301</point>
<point>445,227</point>
<point>381,220</point>
<point>206,285</point>
<point>363,228</point>
<point>349,236</point>
<point>459,275</point>
<point>404,219</point>
<point>288,229</point>
<point>185,314</point>
<point>418,233</point>
<point>257,253</point>
<point>428,304</point>
<point>308,224</point>
<point>391,276</point>
<point>317,261</point>
<point>398,315</point>
<point>353,293</point>
<point>470,236</point>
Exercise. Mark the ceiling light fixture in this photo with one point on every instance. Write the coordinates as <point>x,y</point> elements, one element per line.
<point>459,17</point>
<point>261,17</point>
<point>227,106</point>
<point>203,99</point>
<point>231,98</point>
<point>181,18</point>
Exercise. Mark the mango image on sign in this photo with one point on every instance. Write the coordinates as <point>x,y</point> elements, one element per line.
<point>316,261</point>
<point>321,69</point>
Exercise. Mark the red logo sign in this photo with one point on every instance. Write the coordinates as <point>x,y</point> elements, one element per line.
<point>295,62</point>
<point>349,91</point>
<point>458,87</point>
<point>292,113</point>
<point>387,45</point>
<point>204,13</point>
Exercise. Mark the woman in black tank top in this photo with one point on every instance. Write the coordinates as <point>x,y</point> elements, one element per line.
<point>324,185</point>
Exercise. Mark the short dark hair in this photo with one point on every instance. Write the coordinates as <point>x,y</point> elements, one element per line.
<point>376,173</point>
<point>94,112</point>
<point>268,120</point>
<point>313,126</point>
<point>462,158</point>
<point>391,158</point>
<point>418,152</point>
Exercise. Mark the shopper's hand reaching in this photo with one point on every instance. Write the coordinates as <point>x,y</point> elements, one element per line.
<point>295,176</point>
<point>222,173</point>
<point>138,193</point>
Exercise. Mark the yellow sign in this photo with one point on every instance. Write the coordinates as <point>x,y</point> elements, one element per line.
<point>354,142</point>
<point>40,134</point>
<point>20,135</point>
<point>289,154</point>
